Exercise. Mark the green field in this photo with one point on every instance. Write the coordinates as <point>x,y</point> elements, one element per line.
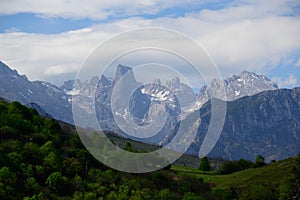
<point>254,181</point>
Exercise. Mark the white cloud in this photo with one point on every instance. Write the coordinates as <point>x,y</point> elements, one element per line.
<point>93,9</point>
<point>61,69</point>
<point>37,55</point>
<point>12,30</point>
<point>245,35</point>
<point>290,81</point>
<point>253,43</point>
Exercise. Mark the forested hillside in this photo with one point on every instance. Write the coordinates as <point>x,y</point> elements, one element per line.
<point>41,158</point>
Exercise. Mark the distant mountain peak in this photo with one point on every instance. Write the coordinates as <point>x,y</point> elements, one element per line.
<point>247,73</point>
<point>235,87</point>
<point>104,80</point>
<point>251,76</point>
<point>43,95</point>
<point>121,70</point>
<point>4,69</point>
<point>4,66</point>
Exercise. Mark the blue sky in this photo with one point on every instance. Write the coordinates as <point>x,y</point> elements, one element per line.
<point>49,40</point>
<point>32,23</point>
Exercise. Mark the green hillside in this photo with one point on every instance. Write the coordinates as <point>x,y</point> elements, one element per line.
<point>41,158</point>
<point>267,182</point>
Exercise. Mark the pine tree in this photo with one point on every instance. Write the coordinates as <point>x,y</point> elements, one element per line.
<point>204,164</point>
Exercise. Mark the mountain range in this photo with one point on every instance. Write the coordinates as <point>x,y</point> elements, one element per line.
<point>45,97</point>
<point>260,118</point>
<point>267,123</point>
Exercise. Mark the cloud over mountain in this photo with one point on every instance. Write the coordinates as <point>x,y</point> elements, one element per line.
<point>239,35</point>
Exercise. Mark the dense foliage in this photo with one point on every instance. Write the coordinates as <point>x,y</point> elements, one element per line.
<point>41,158</point>
<point>231,166</point>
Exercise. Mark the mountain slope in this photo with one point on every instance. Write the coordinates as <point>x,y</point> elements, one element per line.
<point>267,123</point>
<point>49,97</point>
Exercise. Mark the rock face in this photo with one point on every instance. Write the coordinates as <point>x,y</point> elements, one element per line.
<point>125,106</point>
<point>267,123</point>
<point>167,99</point>
<point>235,87</point>
<point>48,97</point>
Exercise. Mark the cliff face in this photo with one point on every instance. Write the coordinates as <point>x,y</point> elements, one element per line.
<point>267,123</point>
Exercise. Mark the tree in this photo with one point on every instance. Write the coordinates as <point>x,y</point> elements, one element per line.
<point>32,153</point>
<point>78,183</point>
<point>72,166</point>
<point>128,146</point>
<point>229,167</point>
<point>7,176</point>
<point>245,164</point>
<point>15,157</point>
<point>224,194</point>
<point>47,148</point>
<point>52,162</point>
<point>35,197</point>
<point>204,164</point>
<point>57,182</point>
<point>165,194</point>
<point>90,196</point>
<point>31,184</point>
<point>259,161</point>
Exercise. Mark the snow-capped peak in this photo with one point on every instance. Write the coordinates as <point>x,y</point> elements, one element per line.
<point>235,87</point>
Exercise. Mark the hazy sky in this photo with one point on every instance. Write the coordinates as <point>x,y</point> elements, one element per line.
<point>49,40</point>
